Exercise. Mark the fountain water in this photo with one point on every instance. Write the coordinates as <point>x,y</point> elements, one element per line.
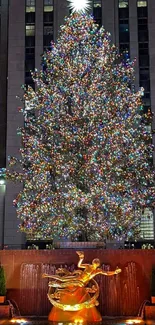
<point>33,290</point>
<point>142,308</point>
<point>118,295</point>
<point>14,310</point>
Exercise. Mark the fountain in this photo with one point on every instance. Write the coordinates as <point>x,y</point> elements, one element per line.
<point>119,295</point>
<point>74,294</point>
<point>14,309</point>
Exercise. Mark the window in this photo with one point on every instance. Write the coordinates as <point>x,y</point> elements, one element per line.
<point>29,65</point>
<point>47,41</point>
<point>124,27</point>
<point>146,102</point>
<point>48,23</point>
<point>48,2</point>
<point>124,47</point>
<point>97,11</point>
<point>142,12</point>
<point>29,53</point>
<point>124,33</point>
<point>123,3</point>
<point>123,13</point>
<point>30,30</point>
<point>143,45</point>
<point>147,225</point>
<point>144,61</point>
<point>143,51</point>
<point>48,17</point>
<point>30,18</point>
<point>97,4</point>
<point>142,27</point>
<point>142,21</point>
<point>30,5</point>
<point>144,74</point>
<point>143,35</point>
<point>48,5</point>
<point>141,3</point>
<point>28,74</point>
<point>146,95</point>
<point>48,30</point>
<point>145,84</point>
<point>30,50</point>
<point>30,41</point>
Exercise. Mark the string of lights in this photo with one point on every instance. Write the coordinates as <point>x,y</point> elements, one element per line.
<point>86,152</point>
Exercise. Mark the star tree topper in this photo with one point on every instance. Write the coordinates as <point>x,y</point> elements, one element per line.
<point>79,5</point>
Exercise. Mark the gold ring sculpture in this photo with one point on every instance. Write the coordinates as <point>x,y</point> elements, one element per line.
<point>73,293</point>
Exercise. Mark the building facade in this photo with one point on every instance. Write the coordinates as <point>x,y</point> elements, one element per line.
<point>26,28</point>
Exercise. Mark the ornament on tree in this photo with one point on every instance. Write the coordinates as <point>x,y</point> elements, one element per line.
<point>87,150</point>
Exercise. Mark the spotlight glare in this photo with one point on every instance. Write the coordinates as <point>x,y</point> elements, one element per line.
<point>79,5</point>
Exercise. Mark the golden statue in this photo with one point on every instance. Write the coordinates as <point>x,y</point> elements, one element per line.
<point>71,294</point>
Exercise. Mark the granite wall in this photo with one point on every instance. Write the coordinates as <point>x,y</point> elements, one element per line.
<point>122,294</point>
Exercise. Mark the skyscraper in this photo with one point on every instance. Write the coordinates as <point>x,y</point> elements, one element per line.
<point>27,27</point>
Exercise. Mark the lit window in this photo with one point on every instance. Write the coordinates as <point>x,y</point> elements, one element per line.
<point>141,3</point>
<point>30,30</point>
<point>30,5</point>
<point>48,8</point>
<point>48,5</point>
<point>30,9</point>
<point>123,4</point>
<point>147,225</point>
<point>97,4</point>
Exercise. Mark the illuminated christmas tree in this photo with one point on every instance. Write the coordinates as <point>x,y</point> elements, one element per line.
<point>87,155</point>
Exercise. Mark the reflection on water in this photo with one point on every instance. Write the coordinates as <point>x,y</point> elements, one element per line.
<point>44,321</point>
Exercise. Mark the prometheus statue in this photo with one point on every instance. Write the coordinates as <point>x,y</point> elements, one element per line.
<point>74,294</point>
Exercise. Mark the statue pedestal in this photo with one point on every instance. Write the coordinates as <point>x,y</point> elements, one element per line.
<point>77,297</point>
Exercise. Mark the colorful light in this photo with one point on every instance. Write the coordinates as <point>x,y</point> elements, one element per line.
<point>86,152</point>
<point>18,321</point>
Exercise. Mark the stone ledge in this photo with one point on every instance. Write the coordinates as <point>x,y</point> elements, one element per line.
<point>78,245</point>
<point>150,312</point>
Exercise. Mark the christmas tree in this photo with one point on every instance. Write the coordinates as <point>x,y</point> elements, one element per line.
<point>86,153</point>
